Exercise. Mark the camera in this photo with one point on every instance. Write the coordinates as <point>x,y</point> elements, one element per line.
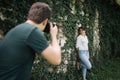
<point>47,28</point>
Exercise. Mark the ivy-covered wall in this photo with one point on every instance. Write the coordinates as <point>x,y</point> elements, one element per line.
<point>101,18</point>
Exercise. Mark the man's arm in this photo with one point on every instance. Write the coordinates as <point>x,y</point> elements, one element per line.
<point>53,52</point>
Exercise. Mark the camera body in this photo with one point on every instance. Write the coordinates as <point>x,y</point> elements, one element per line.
<point>47,28</point>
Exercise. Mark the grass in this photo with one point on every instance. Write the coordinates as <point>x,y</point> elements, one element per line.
<point>110,71</point>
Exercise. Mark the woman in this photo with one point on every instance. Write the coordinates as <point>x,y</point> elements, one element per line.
<point>83,52</point>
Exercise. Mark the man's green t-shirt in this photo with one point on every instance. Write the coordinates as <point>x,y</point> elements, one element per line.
<point>17,51</point>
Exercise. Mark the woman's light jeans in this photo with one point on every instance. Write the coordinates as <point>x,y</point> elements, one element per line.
<point>85,63</point>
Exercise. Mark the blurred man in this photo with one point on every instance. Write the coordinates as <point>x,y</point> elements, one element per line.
<point>18,48</point>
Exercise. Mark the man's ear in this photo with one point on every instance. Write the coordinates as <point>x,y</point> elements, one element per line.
<point>45,22</point>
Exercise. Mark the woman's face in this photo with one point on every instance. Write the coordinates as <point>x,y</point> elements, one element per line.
<point>82,32</point>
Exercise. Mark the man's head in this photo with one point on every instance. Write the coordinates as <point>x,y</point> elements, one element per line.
<point>39,12</point>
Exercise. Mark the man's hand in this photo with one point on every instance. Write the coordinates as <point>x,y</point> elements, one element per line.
<point>53,30</point>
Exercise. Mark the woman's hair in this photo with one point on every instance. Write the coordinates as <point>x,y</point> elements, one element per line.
<point>80,28</point>
<point>39,12</point>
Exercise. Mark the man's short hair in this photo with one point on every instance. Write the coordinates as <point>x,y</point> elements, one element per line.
<point>39,11</point>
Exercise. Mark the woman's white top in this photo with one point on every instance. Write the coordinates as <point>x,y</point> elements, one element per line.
<point>82,42</point>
